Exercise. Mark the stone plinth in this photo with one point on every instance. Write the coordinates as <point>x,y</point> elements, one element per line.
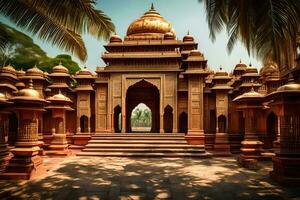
<point>221,146</point>
<point>59,145</point>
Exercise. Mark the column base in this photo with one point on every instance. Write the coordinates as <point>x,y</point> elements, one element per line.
<point>26,164</point>
<point>4,156</point>
<point>286,169</point>
<point>81,139</point>
<point>59,146</point>
<point>221,146</point>
<point>195,137</point>
<point>250,153</point>
<point>248,162</point>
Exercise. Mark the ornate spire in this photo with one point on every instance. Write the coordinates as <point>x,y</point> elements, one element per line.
<point>30,84</point>
<point>152,7</point>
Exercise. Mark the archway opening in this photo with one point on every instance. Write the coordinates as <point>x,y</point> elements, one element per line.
<point>222,124</point>
<point>148,94</point>
<point>12,129</point>
<point>183,122</point>
<point>117,119</point>
<point>168,119</point>
<point>272,130</point>
<point>141,118</point>
<point>83,124</point>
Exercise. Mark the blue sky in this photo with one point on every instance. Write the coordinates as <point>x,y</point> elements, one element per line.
<point>184,15</point>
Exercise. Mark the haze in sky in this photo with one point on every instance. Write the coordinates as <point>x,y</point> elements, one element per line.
<point>184,15</point>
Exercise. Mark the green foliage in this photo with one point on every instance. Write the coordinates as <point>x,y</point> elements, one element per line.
<point>24,53</point>
<point>60,23</point>
<point>266,28</point>
<point>141,118</point>
<point>64,59</point>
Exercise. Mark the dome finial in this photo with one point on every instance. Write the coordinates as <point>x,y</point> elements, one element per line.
<point>30,84</point>
<point>188,32</point>
<point>240,60</point>
<point>152,7</point>
<point>59,91</point>
<point>221,68</point>
<point>60,63</point>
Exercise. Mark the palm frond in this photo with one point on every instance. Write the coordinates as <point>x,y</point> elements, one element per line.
<point>39,23</point>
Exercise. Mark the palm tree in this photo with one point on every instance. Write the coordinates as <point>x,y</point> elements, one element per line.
<point>60,22</point>
<point>268,28</point>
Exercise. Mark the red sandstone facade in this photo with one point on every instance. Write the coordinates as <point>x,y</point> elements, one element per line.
<point>228,113</point>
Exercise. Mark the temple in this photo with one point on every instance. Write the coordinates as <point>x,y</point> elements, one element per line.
<point>248,112</point>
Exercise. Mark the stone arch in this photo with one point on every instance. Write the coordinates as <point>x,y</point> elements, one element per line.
<point>147,93</point>
<point>168,119</point>
<point>272,129</point>
<point>183,122</point>
<point>117,119</point>
<point>84,124</point>
<point>222,124</point>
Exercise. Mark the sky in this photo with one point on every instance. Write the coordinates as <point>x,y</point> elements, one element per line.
<point>184,15</point>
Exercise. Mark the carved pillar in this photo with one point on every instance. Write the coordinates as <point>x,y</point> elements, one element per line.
<point>4,151</point>
<point>195,133</point>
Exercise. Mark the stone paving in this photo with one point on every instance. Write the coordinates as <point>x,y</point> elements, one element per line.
<point>148,178</point>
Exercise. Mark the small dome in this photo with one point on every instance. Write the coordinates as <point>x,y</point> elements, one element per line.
<point>249,95</point>
<point>188,38</point>
<point>195,52</point>
<point>20,85</point>
<point>35,71</point>
<point>221,73</point>
<point>60,69</point>
<point>169,36</point>
<point>8,69</point>
<point>59,97</point>
<point>28,93</point>
<point>251,69</point>
<point>84,71</point>
<point>150,24</point>
<point>115,39</point>
<point>270,68</point>
<point>21,73</point>
<point>240,67</point>
<point>290,86</point>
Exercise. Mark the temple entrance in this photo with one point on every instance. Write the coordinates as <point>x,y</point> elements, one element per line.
<point>148,94</point>
<point>168,119</point>
<point>183,123</point>
<point>272,130</point>
<point>84,124</point>
<point>117,119</point>
<point>222,124</point>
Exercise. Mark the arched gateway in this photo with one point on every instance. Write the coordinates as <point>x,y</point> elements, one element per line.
<point>143,92</point>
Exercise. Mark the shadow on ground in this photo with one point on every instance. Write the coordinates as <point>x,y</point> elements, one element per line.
<point>152,178</point>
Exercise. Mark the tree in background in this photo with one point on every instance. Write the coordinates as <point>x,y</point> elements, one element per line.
<point>23,53</point>
<point>266,28</point>
<point>65,60</point>
<point>59,22</point>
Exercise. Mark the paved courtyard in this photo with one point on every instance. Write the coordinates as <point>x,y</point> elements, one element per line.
<point>153,178</point>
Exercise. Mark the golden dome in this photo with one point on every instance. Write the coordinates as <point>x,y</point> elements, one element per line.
<point>115,39</point>
<point>9,68</point>
<point>60,69</point>
<point>84,71</point>
<point>240,67</point>
<point>249,95</point>
<point>35,71</point>
<point>290,86</point>
<point>150,24</point>
<point>20,73</point>
<point>188,38</point>
<point>28,93</point>
<point>59,97</point>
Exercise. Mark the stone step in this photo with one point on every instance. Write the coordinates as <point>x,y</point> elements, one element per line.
<point>139,135</point>
<point>93,141</point>
<point>113,145</point>
<point>127,154</point>
<point>137,138</point>
<point>145,150</point>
